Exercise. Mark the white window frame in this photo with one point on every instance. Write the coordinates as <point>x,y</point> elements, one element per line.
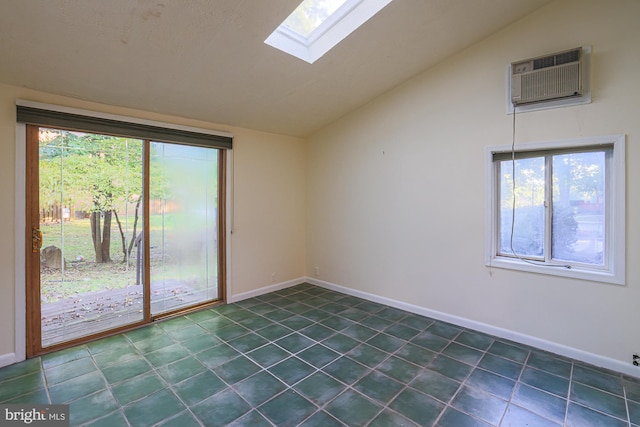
<point>615,244</point>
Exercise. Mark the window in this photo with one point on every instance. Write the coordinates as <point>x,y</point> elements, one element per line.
<point>316,26</point>
<point>558,208</point>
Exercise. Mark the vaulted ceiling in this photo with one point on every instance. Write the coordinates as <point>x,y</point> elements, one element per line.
<point>207,60</point>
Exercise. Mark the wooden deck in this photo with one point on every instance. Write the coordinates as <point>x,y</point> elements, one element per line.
<point>94,312</point>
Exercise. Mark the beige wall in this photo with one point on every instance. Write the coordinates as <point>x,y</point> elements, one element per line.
<point>268,203</point>
<point>396,195</point>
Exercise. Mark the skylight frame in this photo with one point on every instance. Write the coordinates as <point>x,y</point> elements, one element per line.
<point>346,19</point>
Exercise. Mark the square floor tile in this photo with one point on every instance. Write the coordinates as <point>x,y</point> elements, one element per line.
<point>579,416</point>
<point>294,342</point>
<point>495,384</point>
<point>287,409</point>
<point>454,418</point>
<point>517,416</point>
<point>378,387</point>
<point>259,388</point>
<point>138,387</point>
<point>66,371</point>
<point>376,323</point>
<point>480,404</point>
<point>475,339</point>
<point>18,386</point>
<point>125,370</point>
<point>417,322</point>
<point>509,351</point>
<point>337,323</point>
<point>319,388</point>
<point>444,330</point>
<point>340,343</point>
<point>450,367</point>
<point>318,355</point>
<point>274,332</point>
<point>545,381</point>
<point>353,409</point>
<point>77,387</point>
<point>248,342</point>
<point>181,370</point>
<point>91,407</point>
<point>230,332</point>
<point>268,355</point>
<point>203,342</point>
<point>540,402</point>
<point>346,370</point>
<point>418,407</point>
<point>296,322</point>
<point>549,363</point>
<point>153,408</point>
<point>399,369</point>
<point>599,400</point>
<point>367,355</point>
<point>435,385</point>
<point>430,341</point>
<point>359,332</point>
<point>501,366</point>
<point>291,370</point>
<point>386,342</point>
<point>236,369</point>
<point>251,419</point>
<point>599,380</point>
<point>184,419</point>
<point>199,387</point>
<point>402,331</point>
<point>49,360</point>
<point>321,419</point>
<point>167,355</point>
<point>216,356</point>
<point>463,353</point>
<point>317,332</point>
<point>221,409</point>
<point>416,354</point>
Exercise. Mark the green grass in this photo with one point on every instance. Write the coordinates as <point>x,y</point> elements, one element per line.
<point>81,274</point>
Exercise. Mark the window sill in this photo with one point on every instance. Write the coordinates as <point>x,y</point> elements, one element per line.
<point>602,276</point>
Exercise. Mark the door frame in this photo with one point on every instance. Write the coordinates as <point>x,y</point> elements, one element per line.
<point>23,345</point>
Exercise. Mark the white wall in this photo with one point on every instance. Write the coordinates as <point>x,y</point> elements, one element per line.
<point>268,205</point>
<point>396,196</point>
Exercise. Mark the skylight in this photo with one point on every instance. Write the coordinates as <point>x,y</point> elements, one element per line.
<point>316,26</point>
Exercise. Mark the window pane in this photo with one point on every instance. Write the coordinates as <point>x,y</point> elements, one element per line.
<point>183,220</point>
<point>579,207</point>
<point>528,225</point>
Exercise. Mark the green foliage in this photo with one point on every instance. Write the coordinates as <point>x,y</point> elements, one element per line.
<point>90,172</point>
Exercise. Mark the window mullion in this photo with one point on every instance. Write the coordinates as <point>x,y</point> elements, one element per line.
<point>548,208</point>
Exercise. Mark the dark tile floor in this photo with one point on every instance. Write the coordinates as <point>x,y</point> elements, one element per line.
<point>313,357</point>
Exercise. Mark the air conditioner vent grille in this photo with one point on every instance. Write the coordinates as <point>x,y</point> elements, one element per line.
<point>547,77</point>
<point>555,82</point>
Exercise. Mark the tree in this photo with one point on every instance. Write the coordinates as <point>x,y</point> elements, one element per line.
<point>97,173</point>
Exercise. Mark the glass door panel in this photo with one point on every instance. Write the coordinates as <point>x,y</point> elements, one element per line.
<point>90,216</point>
<point>183,223</point>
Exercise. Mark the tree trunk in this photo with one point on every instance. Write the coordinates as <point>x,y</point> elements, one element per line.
<point>122,237</point>
<point>106,237</point>
<point>135,228</point>
<point>96,235</point>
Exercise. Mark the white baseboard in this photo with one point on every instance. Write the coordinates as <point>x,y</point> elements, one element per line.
<point>266,289</point>
<point>550,346</point>
<point>8,359</point>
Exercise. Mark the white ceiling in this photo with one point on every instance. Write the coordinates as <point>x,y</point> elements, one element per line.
<point>206,59</point>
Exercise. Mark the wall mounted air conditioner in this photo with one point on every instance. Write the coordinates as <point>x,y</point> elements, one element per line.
<point>547,78</point>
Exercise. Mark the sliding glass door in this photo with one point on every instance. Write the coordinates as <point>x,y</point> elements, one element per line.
<point>121,232</point>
